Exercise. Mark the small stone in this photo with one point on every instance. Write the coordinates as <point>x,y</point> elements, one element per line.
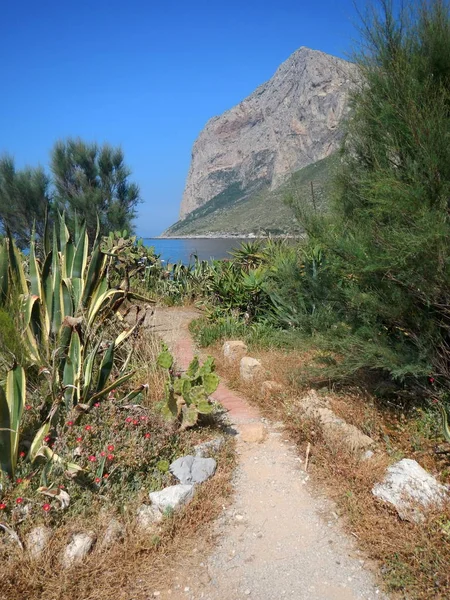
<point>115,532</point>
<point>368,454</point>
<point>206,448</point>
<point>186,589</point>
<point>37,541</point>
<point>172,497</point>
<point>239,518</point>
<point>410,489</point>
<point>270,388</point>
<point>79,547</point>
<point>193,469</point>
<point>156,594</point>
<point>247,592</point>
<point>147,516</point>
<point>233,351</point>
<point>250,369</point>
<point>253,432</point>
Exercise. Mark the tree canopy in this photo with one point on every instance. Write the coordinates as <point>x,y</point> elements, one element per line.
<point>93,182</point>
<point>24,200</point>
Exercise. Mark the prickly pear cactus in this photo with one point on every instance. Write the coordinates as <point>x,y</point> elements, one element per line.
<point>187,394</point>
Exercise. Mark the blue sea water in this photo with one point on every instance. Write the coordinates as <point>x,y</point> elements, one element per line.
<point>173,250</point>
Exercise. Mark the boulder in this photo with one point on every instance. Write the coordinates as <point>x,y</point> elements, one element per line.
<point>270,388</point>
<point>233,351</point>
<point>410,489</point>
<point>206,448</point>
<point>193,469</point>
<point>334,429</point>
<point>173,497</point>
<point>37,541</point>
<point>115,532</point>
<point>250,369</point>
<point>78,548</point>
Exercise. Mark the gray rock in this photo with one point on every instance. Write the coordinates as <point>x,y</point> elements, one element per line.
<point>250,369</point>
<point>206,448</point>
<point>115,532</point>
<point>78,548</point>
<point>172,497</point>
<point>410,489</point>
<point>193,469</point>
<point>147,516</point>
<point>37,541</point>
<point>233,351</point>
<point>290,121</point>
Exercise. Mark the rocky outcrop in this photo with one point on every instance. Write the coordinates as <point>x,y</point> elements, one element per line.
<point>289,122</point>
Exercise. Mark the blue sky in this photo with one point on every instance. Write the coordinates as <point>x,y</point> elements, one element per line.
<point>146,75</point>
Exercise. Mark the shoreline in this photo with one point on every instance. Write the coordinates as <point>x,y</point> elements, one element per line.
<point>223,236</point>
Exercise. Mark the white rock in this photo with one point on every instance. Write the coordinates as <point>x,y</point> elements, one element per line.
<point>410,489</point>
<point>147,516</point>
<point>115,532</point>
<point>37,541</point>
<point>207,448</point>
<point>79,547</point>
<point>172,497</point>
<point>193,469</point>
<point>233,351</point>
<point>250,369</point>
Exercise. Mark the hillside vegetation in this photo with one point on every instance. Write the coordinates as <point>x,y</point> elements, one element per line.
<point>240,211</point>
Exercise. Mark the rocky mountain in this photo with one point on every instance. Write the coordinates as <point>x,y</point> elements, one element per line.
<point>289,122</point>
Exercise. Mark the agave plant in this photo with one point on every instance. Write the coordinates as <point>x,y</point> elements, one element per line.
<point>12,402</point>
<point>65,304</point>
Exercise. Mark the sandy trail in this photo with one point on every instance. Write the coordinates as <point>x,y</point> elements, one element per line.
<point>278,539</point>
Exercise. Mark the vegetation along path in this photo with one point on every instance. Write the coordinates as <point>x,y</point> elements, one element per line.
<point>278,539</point>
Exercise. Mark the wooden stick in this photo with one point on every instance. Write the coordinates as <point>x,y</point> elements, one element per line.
<point>308,448</point>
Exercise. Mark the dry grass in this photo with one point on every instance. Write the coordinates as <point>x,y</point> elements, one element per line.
<point>414,559</point>
<point>135,568</point>
<point>143,562</point>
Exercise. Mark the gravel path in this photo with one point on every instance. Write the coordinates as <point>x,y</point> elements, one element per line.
<point>278,539</point>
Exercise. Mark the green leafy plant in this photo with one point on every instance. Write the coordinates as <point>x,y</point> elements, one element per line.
<point>187,394</point>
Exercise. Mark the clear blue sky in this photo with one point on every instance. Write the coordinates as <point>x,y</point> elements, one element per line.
<point>146,75</point>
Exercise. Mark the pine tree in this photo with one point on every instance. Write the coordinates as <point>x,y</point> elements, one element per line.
<point>92,182</point>
<point>24,200</point>
<point>387,239</point>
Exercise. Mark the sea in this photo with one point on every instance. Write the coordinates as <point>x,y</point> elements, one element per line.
<point>174,250</point>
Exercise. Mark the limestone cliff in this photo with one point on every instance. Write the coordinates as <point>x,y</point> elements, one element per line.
<point>289,122</point>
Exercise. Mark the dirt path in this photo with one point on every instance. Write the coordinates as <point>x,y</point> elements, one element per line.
<point>278,539</point>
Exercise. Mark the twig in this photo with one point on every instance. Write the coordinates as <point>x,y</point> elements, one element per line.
<point>308,449</point>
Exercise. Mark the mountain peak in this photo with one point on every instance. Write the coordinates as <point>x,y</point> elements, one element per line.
<point>287,123</point>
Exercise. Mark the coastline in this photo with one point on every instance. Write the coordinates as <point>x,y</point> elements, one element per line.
<point>224,236</point>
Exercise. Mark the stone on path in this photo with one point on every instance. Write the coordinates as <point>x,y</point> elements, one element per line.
<point>79,547</point>
<point>410,489</point>
<point>206,448</point>
<point>193,469</point>
<point>252,432</point>
<point>233,351</point>
<point>37,541</point>
<point>172,497</point>
<point>250,369</point>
